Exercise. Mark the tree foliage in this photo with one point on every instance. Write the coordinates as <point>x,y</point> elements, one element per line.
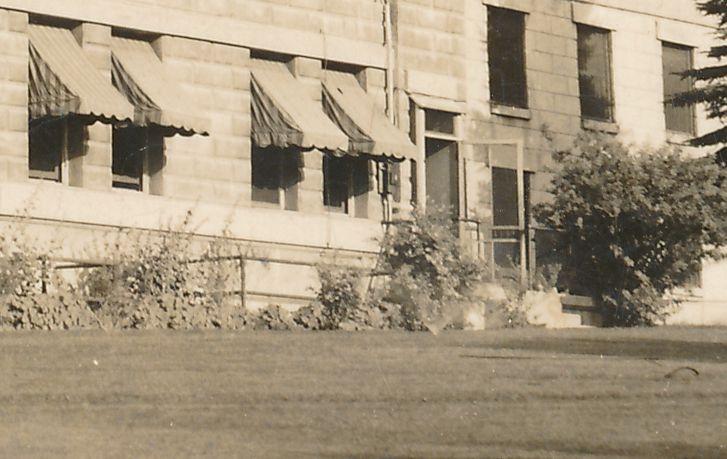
<point>634,224</point>
<point>430,271</point>
<point>711,83</point>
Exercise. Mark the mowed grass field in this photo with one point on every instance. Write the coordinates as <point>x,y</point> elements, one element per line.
<point>518,393</point>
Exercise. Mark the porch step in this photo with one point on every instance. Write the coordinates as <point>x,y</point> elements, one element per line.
<point>569,320</point>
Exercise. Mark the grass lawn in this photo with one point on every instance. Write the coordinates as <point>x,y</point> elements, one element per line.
<point>520,393</point>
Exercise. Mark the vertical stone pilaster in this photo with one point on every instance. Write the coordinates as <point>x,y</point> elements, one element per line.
<point>91,168</point>
<point>309,72</point>
<point>374,205</point>
<point>310,190</point>
<point>373,81</point>
<point>14,97</point>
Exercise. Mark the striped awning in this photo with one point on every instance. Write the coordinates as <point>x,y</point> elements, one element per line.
<point>355,113</point>
<point>284,114</point>
<point>64,81</point>
<point>141,76</point>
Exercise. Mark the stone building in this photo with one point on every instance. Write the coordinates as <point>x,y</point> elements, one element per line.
<point>298,126</point>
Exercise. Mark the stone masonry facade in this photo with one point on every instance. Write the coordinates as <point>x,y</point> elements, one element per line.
<point>436,58</point>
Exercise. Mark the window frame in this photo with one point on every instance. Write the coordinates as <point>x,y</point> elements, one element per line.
<point>150,178</point>
<point>609,67</point>
<point>287,195</point>
<point>691,107</point>
<point>522,233</point>
<point>419,134</point>
<point>521,100</point>
<point>142,158</point>
<point>353,165</point>
<point>60,174</point>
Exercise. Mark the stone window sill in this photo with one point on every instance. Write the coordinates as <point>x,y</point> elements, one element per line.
<point>678,138</point>
<point>607,127</point>
<point>510,112</point>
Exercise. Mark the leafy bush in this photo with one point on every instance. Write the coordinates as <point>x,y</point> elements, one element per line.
<point>379,314</point>
<point>45,312</point>
<point>171,280</point>
<point>634,224</point>
<point>430,273</point>
<point>165,281</point>
<point>32,295</point>
<point>272,317</point>
<point>339,294</point>
<point>22,269</point>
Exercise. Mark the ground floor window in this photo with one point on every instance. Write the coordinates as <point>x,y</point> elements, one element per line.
<point>276,173</point>
<point>346,185</point>
<point>137,158</point>
<point>48,146</point>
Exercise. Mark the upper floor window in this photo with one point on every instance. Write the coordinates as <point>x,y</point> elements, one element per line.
<point>594,73</point>
<point>676,60</point>
<point>506,54</point>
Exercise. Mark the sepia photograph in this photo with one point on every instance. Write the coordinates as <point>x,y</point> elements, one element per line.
<point>363,228</point>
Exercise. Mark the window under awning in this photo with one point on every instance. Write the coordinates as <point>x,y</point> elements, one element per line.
<point>64,81</point>
<point>284,115</point>
<point>355,113</point>
<point>141,77</point>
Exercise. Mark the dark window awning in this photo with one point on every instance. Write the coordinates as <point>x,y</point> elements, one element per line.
<point>284,115</point>
<point>64,81</point>
<point>355,113</point>
<point>141,76</point>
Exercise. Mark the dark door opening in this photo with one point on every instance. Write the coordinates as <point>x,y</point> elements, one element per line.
<point>442,179</point>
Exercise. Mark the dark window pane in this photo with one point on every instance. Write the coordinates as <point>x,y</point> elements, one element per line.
<point>46,137</point>
<point>129,146</point>
<point>505,197</point>
<point>506,54</point>
<point>676,60</point>
<point>594,73</point>
<point>336,183</point>
<point>442,177</point>
<point>266,175</point>
<point>439,121</point>
<point>507,254</point>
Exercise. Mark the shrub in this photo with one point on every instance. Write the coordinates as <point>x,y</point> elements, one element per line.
<point>165,280</point>
<point>22,269</point>
<point>272,317</point>
<point>634,224</point>
<point>430,273</point>
<point>379,314</point>
<point>339,294</point>
<point>32,295</point>
<point>45,312</point>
